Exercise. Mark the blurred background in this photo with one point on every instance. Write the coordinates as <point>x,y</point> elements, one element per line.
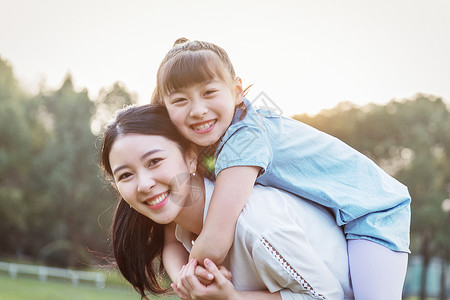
<point>375,74</point>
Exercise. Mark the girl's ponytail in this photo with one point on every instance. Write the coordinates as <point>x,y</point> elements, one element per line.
<point>180,40</point>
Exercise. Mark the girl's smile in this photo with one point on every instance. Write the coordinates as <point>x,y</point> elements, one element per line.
<point>203,127</point>
<point>203,112</point>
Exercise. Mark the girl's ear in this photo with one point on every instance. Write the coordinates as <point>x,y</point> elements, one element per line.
<point>238,90</point>
<point>191,158</point>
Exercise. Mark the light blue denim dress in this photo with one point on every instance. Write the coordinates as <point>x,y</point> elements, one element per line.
<point>369,203</point>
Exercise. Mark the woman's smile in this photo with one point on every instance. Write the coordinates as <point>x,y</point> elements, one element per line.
<point>146,171</point>
<point>158,201</point>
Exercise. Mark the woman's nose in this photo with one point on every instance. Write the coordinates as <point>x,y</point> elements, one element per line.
<point>146,184</point>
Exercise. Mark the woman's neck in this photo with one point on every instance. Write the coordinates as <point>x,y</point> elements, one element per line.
<point>191,217</point>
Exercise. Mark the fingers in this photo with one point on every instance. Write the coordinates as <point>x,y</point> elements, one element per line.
<point>179,288</point>
<point>196,281</point>
<point>212,268</point>
<point>225,272</point>
<point>193,286</point>
<point>187,276</point>
<point>205,277</point>
<point>179,292</point>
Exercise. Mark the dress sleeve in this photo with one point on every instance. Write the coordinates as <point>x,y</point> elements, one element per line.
<point>247,146</point>
<point>286,262</point>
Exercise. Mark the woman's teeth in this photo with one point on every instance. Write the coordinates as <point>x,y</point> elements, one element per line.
<point>158,199</point>
<point>203,126</point>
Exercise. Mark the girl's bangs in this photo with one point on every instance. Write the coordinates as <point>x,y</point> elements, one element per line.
<point>190,68</point>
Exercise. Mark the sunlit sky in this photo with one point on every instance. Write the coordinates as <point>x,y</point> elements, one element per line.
<point>304,55</point>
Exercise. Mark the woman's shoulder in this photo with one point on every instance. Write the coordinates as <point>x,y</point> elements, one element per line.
<point>268,208</point>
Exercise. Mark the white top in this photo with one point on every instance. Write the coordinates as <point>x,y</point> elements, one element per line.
<point>285,243</point>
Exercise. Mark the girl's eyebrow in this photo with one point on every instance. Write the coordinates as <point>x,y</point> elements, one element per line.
<point>210,81</point>
<point>145,155</point>
<point>203,84</point>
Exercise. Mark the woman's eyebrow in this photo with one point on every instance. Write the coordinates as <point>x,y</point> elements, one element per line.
<point>145,155</point>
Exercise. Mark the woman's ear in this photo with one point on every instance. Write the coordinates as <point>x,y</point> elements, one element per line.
<point>113,184</point>
<point>238,90</point>
<point>191,158</point>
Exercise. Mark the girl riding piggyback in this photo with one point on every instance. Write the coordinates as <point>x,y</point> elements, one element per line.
<point>205,100</point>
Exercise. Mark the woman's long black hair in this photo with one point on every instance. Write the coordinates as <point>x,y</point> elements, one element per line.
<point>137,240</point>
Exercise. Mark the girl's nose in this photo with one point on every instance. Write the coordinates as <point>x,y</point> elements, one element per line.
<point>146,184</point>
<point>198,109</point>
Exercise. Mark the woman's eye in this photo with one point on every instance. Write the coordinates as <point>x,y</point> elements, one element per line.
<point>123,176</point>
<point>154,161</point>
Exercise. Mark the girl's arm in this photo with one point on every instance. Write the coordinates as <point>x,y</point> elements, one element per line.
<point>174,254</point>
<point>222,288</point>
<point>232,189</point>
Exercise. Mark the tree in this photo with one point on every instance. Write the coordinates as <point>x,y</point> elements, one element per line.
<point>51,198</point>
<point>108,102</point>
<point>410,140</point>
<point>14,160</point>
<point>65,176</point>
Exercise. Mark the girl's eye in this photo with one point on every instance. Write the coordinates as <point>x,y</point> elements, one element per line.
<point>210,92</point>
<point>178,100</point>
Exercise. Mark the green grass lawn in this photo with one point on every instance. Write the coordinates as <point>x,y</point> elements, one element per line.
<point>31,288</point>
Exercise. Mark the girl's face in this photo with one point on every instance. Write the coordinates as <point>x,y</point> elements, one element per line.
<point>203,112</point>
<point>151,174</point>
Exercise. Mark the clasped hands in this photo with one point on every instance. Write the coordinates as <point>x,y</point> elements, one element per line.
<point>208,283</point>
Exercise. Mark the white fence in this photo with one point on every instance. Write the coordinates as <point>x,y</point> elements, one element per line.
<point>44,272</point>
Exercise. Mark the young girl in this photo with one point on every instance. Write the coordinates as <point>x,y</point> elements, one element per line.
<point>277,251</point>
<point>197,84</point>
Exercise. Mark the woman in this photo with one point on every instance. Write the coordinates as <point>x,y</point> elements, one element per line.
<point>284,248</point>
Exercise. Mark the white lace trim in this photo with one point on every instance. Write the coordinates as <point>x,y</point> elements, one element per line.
<point>290,270</point>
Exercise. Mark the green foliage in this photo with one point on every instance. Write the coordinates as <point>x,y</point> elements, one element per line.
<point>9,89</point>
<point>65,173</point>
<point>410,139</point>
<point>108,102</point>
<point>53,206</point>
<point>14,157</point>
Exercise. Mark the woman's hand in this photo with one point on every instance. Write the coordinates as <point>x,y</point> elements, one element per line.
<point>190,287</point>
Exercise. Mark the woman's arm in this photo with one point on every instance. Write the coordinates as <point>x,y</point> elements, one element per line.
<point>174,254</point>
<point>221,289</point>
<point>175,257</point>
<point>232,189</point>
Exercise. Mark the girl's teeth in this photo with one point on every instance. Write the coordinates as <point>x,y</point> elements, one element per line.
<point>204,126</point>
<point>158,199</point>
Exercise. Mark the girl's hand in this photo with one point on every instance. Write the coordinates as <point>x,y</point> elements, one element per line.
<point>206,278</point>
<point>192,288</point>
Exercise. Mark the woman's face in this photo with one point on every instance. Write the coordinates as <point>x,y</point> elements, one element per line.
<point>152,175</point>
